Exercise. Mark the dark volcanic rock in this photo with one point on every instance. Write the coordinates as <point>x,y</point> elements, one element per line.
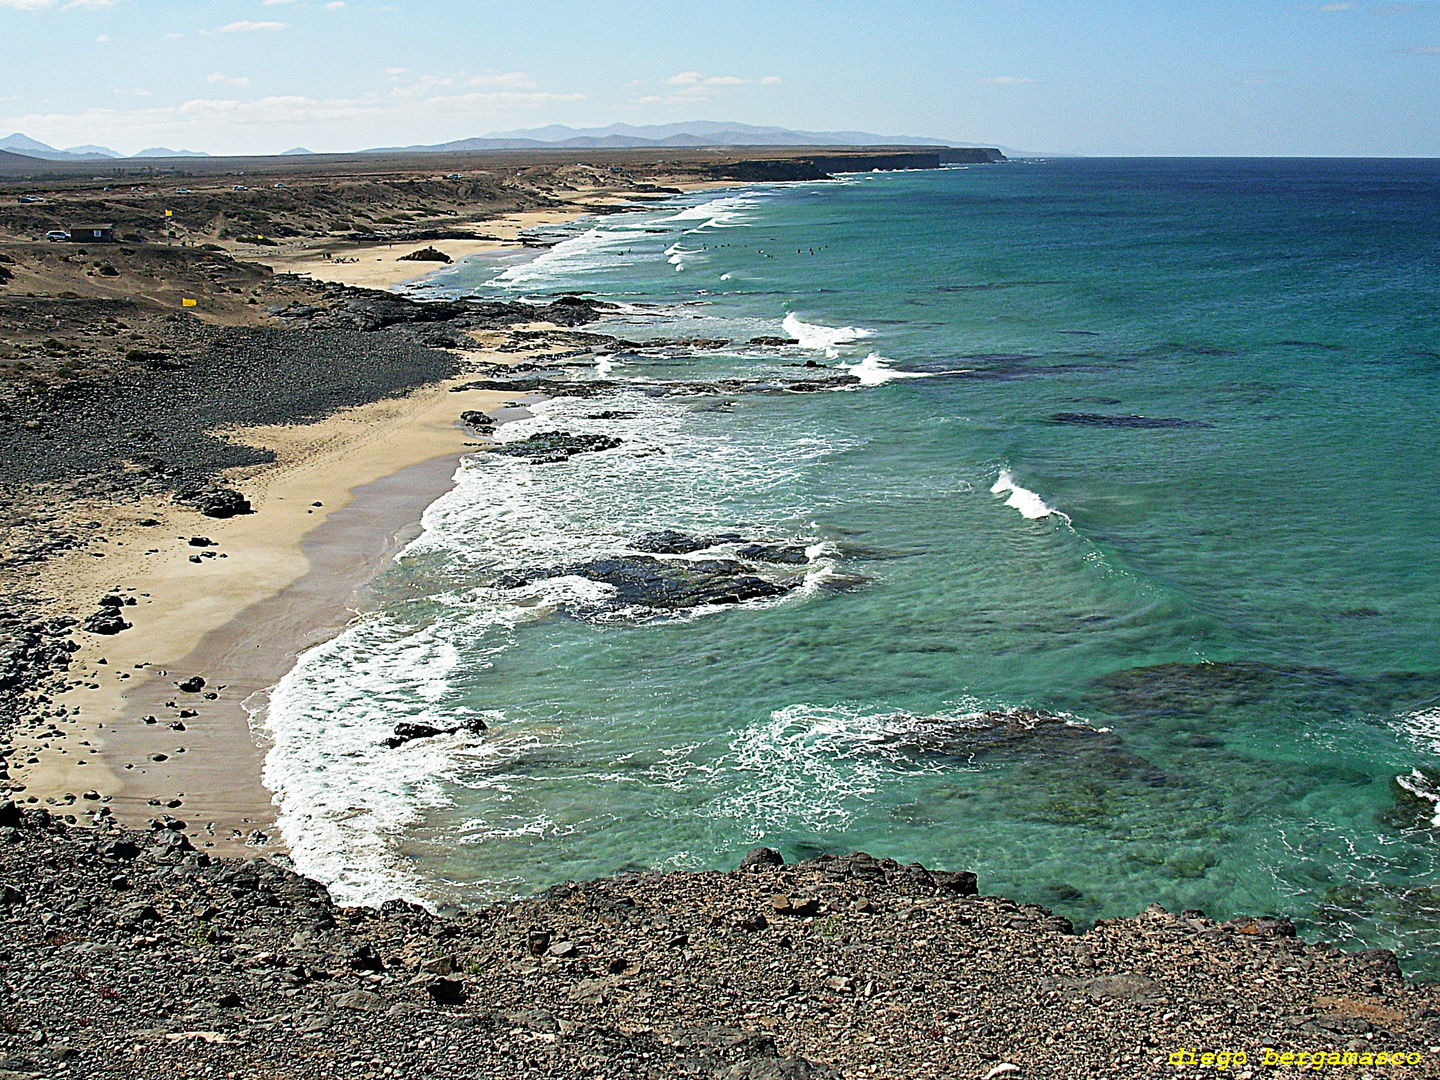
<point>1165,690</point>
<point>551,447</point>
<point>370,310</point>
<point>216,502</point>
<point>1417,801</point>
<point>1141,422</point>
<point>561,387</point>
<point>426,254</point>
<point>408,732</point>
<point>477,421</point>
<point>669,542</point>
<point>107,619</point>
<point>759,857</point>
<point>644,974</point>
<point>790,554</point>
<point>700,344</point>
<point>643,581</point>
<point>774,342</point>
<point>1024,733</point>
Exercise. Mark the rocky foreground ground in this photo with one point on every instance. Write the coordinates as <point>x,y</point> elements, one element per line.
<point>131,955</point>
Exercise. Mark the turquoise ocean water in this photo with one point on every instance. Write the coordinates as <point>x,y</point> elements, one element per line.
<point>1147,445</point>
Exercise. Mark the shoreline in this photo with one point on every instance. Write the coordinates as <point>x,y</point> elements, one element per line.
<point>362,267</point>
<point>242,627</point>
<point>289,576</point>
<point>327,514</point>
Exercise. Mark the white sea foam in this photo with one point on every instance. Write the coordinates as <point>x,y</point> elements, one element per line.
<point>676,256</point>
<point>827,339</point>
<point>811,768</point>
<point>875,370</point>
<point>1026,501</point>
<point>1421,786</point>
<point>593,249</point>
<point>343,797</point>
<point>1422,729</point>
<point>721,213</point>
<point>347,803</point>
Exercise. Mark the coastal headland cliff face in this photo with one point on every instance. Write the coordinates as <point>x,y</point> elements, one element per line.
<point>143,941</point>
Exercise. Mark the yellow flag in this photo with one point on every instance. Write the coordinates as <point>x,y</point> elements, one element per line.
<point>169,213</point>
<point>187,302</point>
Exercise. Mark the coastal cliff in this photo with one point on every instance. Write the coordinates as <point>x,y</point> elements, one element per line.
<point>820,166</point>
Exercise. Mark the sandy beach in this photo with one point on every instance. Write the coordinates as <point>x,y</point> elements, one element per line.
<point>343,495</point>
<point>384,266</point>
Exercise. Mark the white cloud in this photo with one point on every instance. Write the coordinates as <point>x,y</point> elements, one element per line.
<point>272,3</point>
<point>227,80</point>
<point>695,86</point>
<point>771,80</point>
<point>37,5</point>
<point>1427,50</point>
<point>335,5</point>
<point>131,91</point>
<point>1009,80</point>
<point>1335,7</point>
<point>245,26</point>
<point>102,38</point>
<point>516,79</point>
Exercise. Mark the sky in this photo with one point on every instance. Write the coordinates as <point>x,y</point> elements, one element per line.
<point>1099,77</point>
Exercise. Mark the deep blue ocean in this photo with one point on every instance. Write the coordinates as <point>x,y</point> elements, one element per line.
<point>1148,447</point>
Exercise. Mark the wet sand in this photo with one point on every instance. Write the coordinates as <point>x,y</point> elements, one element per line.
<point>343,496</point>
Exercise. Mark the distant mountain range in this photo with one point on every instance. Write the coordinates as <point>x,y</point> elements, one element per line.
<point>698,133</point>
<point>695,133</point>
<point>23,144</point>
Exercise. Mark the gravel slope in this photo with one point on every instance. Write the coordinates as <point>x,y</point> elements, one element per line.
<point>132,956</point>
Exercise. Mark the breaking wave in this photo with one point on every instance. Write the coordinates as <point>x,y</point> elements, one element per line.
<point>1024,500</point>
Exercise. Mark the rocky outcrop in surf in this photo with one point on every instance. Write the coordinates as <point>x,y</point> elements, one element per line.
<point>1024,734</point>
<point>344,307</point>
<point>551,447</point>
<point>561,386</point>
<point>674,542</point>
<point>1142,423</point>
<point>644,581</point>
<point>1190,690</point>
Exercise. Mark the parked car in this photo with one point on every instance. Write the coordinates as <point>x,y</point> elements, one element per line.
<point>56,236</point>
<point>31,198</point>
<point>239,187</point>
<point>182,191</point>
